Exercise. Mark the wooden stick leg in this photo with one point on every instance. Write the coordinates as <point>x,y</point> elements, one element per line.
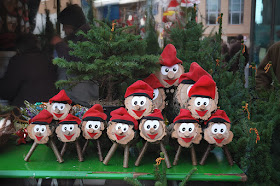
<point>99,150</point>
<point>63,149</point>
<point>166,158</point>
<point>79,151</point>
<point>110,153</point>
<point>143,150</point>
<point>32,149</point>
<point>203,159</point>
<point>229,158</point>
<point>84,147</point>
<point>126,156</point>
<point>177,155</point>
<point>193,154</point>
<point>55,150</point>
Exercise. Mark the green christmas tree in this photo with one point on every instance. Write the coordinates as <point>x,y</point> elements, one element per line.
<point>111,56</point>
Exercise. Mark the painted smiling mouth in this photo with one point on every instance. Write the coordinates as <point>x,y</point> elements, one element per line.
<point>170,82</point>
<point>139,112</point>
<point>187,140</point>
<point>92,134</point>
<point>39,137</point>
<point>58,115</point>
<point>68,137</point>
<point>201,113</point>
<point>119,137</point>
<point>219,140</point>
<point>152,136</point>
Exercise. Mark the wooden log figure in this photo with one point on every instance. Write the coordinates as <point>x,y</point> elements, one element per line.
<point>187,80</point>
<point>171,67</point>
<point>39,131</point>
<point>93,124</point>
<point>187,131</point>
<point>153,129</point>
<point>138,99</point>
<point>201,98</point>
<point>121,131</point>
<point>68,131</point>
<point>159,95</point>
<point>218,133</point>
<point>59,105</point>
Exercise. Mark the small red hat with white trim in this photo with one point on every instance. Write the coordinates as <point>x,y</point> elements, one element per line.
<point>61,97</point>
<point>70,119</point>
<point>219,116</point>
<point>139,88</point>
<point>153,81</point>
<point>121,115</point>
<point>195,72</point>
<point>155,115</point>
<point>168,56</point>
<point>204,87</point>
<point>185,116</point>
<point>95,113</point>
<point>172,5</point>
<point>43,118</point>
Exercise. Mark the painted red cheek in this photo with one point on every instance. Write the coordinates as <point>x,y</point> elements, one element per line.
<point>152,136</point>
<point>68,137</point>
<point>218,140</point>
<point>139,112</point>
<point>119,137</point>
<point>170,82</point>
<point>187,140</point>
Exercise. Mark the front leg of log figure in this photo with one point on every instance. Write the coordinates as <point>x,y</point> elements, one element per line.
<point>193,154</point>
<point>203,159</point>
<point>166,158</point>
<point>110,153</point>
<point>63,149</point>
<point>143,150</point>
<point>177,155</point>
<point>32,149</point>
<point>126,156</point>
<point>55,150</point>
<point>79,151</point>
<point>227,153</point>
<point>85,146</point>
<point>99,150</point>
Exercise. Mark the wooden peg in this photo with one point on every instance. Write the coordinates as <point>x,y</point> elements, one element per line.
<point>126,156</point>
<point>203,159</point>
<point>63,149</point>
<point>85,146</point>
<point>193,154</point>
<point>177,155</point>
<point>166,158</point>
<point>33,147</point>
<point>99,150</point>
<point>110,153</point>
<point>143,150</point>
<point>55,150</point>
<point>79,151</point>
<point>227,153</point>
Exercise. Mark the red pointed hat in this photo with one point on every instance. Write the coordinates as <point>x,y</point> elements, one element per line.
<point>70,119</point>
<point>156,115</point>
<point>195,72</point>
<point>95,113</point>
<point>185,116</point>
<point>43,118</point>
<point>139,88</point>
<point>204,87</point>
<point>61,97</point>
<point>172,5</point>
<point>219,116</point>
<point>168,56</point>
<point>153,81</point>
<point>121,115</point>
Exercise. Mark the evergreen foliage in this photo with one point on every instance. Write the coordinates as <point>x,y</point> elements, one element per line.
<point>110,56</point>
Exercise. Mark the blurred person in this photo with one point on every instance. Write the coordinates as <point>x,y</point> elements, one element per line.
<point>30,74</point>
<point>73,20</point>
<point>235,48</point>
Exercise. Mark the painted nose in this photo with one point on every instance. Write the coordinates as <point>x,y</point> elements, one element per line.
<point>170,75</point>
<point>91,130</point>
<point>38,134</point>
<point>219,136</point>
<point>152,130</point>
<point>119,131</point>
<point>202,107</point>
<point>187,134</point>
<point>57,110</point>
<point>137,107</point>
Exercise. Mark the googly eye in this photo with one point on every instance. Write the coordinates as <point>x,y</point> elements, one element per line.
<point>205,101</point>
<point>71,127</point>
<point>198,101</point>
<point>148,125</point>
<point>155,124</point>
<point>223,128</point>
<point>61,106</point>
<point>215,128</point>
<point>43,128</point>
<point>164,70</point>
<point>55,106</point>
<point>118,126</point>
<point>135,100</point>
<point>174,68</point>
<point>142,100</point>
<point>64,128</point>
<point>155,94</point>
<point>124,127</point>
<point>37,128</point>
<point>93,124</point>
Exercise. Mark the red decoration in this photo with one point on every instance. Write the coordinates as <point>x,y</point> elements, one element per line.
<point>168,56</point>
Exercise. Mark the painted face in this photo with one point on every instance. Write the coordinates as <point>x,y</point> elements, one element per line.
<point>182,94</point>
<point>67,132</point>
<point>92,129</point>
<point>152,130</point>
<point>218,133</point>
<point>39,133</point>
<point>120,132</point>
<point>58,110</point>
<point>169,76</point>
<point>187,133</point>
<point>201,108</point>
<point>138,106</point>
<point>159,98</point>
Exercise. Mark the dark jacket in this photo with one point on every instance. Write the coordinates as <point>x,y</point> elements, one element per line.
<point>30,76</point>
<point>234,48</point>
<point>263,78</point>
<point>86,91</point>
